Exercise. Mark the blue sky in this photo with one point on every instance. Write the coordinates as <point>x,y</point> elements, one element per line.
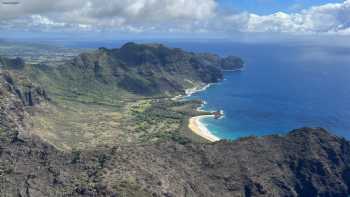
<point>272,6</point>
<point>190,18</point>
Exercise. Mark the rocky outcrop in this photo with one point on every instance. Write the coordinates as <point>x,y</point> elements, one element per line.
<point>12,113</point>
<point>28,93</point>
<point>306,162</point>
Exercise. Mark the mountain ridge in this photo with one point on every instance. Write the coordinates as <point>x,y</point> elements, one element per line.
<point>149,69</point>
<point>306,162</point>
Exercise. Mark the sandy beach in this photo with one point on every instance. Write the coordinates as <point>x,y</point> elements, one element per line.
<point>197,127</point>
<point>195,124</point>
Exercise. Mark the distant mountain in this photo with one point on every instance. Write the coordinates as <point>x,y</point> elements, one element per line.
<point>141,69</point>
<point>132,70</point>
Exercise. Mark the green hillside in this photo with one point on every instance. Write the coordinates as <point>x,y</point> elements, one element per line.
<point>115,96</point>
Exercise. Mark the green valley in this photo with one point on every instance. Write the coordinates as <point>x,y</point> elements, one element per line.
<point>115,96</point>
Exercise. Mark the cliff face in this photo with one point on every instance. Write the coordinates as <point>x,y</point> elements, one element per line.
<point>149,69</point>
<point>15,96</point>
<point>28,93</point>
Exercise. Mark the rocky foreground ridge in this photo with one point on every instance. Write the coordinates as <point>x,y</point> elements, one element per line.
<point>306,162</point>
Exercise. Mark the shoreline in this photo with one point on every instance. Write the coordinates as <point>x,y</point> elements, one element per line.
<point>195,124</point>
<point>190,91</point>
<point>198,128</point>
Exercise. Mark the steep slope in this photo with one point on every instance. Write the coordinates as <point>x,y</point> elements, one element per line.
<point>15,97</point>
<point>306,162</point>
<point>141,69</point>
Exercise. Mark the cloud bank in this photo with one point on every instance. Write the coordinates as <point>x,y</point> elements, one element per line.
<point>168,16</point>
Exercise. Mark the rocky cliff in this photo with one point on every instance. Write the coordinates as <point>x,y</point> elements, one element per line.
<point>306,162</point>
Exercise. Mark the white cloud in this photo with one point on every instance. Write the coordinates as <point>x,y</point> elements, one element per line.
<point>133,11</point>
<point>38,20</point>
<point>328,18</point>
<point>26,8</point>
<point>172,16</point>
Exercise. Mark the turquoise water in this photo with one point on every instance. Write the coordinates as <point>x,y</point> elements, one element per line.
<point>282,88</point>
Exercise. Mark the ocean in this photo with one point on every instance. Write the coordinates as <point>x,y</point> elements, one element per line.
<point>284,86</point>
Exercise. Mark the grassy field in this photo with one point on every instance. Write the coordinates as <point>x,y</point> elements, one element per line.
<point>71,124</point>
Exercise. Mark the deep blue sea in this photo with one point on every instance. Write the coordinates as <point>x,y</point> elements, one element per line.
<point>284,86</point>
